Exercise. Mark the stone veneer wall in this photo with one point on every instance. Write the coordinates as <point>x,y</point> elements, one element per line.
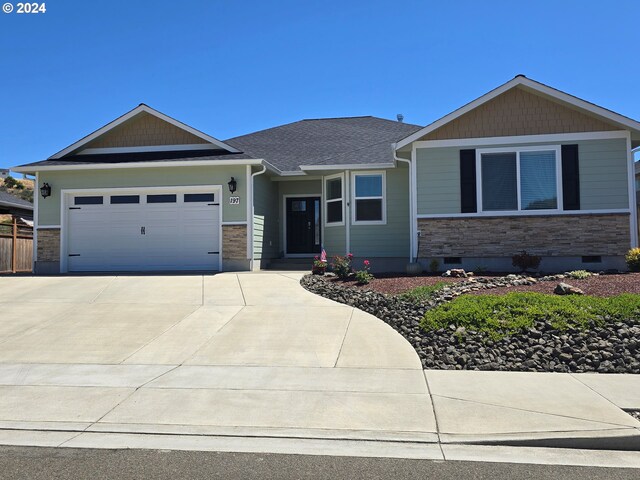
<point>558,235</point>
<point>234,242</point>
<point>48,248</point>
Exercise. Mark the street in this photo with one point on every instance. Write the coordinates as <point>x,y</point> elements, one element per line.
<point>65,463</point>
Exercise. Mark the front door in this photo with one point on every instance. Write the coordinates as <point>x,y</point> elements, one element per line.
<point>303,225</point>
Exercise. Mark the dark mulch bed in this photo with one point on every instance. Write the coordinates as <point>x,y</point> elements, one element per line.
<point>597,285</point>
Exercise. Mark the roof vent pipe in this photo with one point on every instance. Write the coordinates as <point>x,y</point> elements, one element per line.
<point>400,117</point>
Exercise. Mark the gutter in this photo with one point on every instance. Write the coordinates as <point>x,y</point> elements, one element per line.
<point>412,216</point>
<point>250,221</point>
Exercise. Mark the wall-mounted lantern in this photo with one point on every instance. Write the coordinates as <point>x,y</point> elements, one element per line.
<point>45,190</point>
<point>232,185</point>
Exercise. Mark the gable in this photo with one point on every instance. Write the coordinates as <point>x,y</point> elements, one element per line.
<point>518,112</point>
<point>144,130</point>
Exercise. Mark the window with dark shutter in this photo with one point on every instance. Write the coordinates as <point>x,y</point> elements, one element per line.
<point>570,177</point>
<point>468,201</point>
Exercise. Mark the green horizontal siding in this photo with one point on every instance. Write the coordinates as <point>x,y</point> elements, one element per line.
<point>49,208</point>
<point>265,218</point>
<point>392,239</point>
<point>603,175</point>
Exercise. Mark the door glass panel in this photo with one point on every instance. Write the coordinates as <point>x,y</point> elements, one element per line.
<point>165,198</point>
<point>87,201</point>
<point>298,205</point>
<point>316,216</point>
<point>199,197</point>
<point>118,199</point>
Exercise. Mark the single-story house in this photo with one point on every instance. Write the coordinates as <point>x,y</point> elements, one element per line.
<point>524,167</point>
<point>16,206</point>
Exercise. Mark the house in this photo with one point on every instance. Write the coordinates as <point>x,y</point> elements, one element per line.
<point>15,206</point>
<point>524,167</point>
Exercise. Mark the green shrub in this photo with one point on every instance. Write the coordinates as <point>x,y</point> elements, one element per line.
<point>10,182</point>
<point>341,266</point>
<point>364,276</point>
<point>524,261</point>
<point>633,259</point>
<point>499,316</point>
<point>423,292</point>
<point>579,274</point>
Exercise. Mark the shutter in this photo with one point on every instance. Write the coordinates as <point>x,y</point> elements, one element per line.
<point>468,201</point>
<point>570,177</point>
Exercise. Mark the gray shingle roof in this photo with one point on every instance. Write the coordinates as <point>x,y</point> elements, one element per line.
<point>327,141</point>
<point>7,199</point>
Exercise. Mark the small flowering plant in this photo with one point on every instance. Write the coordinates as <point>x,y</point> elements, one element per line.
<point>341,266</point>
<point>364,276</point>
<point>319,266</point>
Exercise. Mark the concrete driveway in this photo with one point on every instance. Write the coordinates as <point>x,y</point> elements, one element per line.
<point>227,354</point>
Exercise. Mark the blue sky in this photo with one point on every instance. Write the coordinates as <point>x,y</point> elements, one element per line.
<point>231,67</point>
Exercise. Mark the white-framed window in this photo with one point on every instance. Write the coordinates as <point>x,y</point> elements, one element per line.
<point>519,179</point>
<point>334,200</point>
<point>369,199</point>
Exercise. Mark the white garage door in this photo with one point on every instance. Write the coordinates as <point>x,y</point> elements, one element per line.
<point>143,230</point>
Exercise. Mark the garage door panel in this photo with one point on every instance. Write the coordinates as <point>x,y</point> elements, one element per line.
<point>145,236</point>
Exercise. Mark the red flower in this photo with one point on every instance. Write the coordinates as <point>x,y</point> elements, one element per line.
<point>349,256</point>
<point>366,263</point>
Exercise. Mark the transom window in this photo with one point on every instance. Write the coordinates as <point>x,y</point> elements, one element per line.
<point>368,198</point>
<point>519,179</point>
<point>334,200</point>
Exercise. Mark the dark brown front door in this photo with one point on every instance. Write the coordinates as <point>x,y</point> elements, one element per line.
<point>303,225</point>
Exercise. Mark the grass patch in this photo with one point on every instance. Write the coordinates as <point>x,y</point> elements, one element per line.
<point>422,292</point>
<point>501,315</point>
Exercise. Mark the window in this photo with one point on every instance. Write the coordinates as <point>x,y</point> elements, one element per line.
<point>87,201</point>
<point>334,200</point>
<point>117,199</point>
<point>368,198</point>
<point>520,180</point>
<point>199,197</point>
<point>163,198</point>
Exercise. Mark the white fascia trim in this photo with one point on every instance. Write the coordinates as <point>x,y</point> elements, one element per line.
<point>151,148</point>
<point>233,223</point>
<point>533,85</point>
<point>541,213</point>
<point>116,166</point>
<point>633,207</point>
<point>364,166</point>
<point>134,112</point>
<point>556,137</point>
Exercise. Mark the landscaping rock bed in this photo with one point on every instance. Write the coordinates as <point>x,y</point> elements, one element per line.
<point>614,348</point>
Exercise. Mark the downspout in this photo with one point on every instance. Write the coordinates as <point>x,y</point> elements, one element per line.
<point>250,222</point>
<point>411,216</point>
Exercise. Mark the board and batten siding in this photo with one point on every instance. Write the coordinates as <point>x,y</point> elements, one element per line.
<point>49,208</point>
<point>603,175</point>
<point>392,239</point>
<point>265,218</point>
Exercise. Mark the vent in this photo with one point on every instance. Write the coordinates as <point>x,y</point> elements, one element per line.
<point>452,260</point>
<point>400,117</point>
<point>592,259</point>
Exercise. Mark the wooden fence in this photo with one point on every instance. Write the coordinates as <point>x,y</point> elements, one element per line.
<point>16,248</point>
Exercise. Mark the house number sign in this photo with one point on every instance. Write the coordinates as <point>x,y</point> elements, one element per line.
<point>234,200</point>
